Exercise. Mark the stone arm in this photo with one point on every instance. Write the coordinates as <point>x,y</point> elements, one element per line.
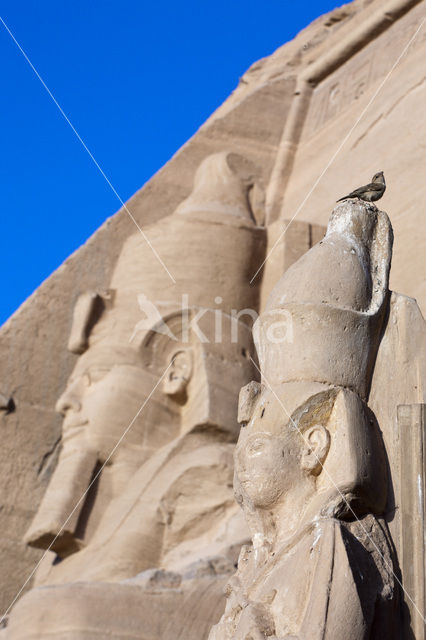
<point>337,606</point>
<point>169,502</point>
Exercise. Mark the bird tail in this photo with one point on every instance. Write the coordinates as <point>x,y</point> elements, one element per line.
<point>344,198</point>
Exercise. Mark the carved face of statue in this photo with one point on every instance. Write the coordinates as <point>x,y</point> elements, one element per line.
<point>267,464</point>
<point>106,392</point>
<point>273,456</point>
<point>124,402</point>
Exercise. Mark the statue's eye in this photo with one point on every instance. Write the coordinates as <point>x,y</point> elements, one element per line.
<point>256,447</point>
<point>95,375</point>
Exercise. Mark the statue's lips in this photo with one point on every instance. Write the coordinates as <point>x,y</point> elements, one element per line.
<point>73,423</point>
<point>244,478</point>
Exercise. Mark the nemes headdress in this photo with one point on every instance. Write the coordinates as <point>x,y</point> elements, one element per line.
<point>211,246</point>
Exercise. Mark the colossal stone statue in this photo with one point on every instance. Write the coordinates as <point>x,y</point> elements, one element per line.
<point>152,403</point>
<point>123,361</point>
<point>310,464</point>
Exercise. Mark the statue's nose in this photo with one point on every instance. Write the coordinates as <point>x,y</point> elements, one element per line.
<point>238,459</point>
<point>70,399</point>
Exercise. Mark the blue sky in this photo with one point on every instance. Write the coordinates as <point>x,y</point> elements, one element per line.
<point>136,79</point>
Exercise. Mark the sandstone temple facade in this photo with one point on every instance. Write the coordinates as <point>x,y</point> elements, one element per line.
<point>214,420</point>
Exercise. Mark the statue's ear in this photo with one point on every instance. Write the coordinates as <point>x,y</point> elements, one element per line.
<point>316,443</point>
<point>179,373</point>
<point>87,311</point>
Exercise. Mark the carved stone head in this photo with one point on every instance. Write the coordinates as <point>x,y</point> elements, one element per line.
<point>314,447</point>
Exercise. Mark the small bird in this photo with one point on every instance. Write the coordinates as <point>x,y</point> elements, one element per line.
<point>369,192</point>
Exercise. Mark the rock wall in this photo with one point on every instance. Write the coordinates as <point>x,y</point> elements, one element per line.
<point>291,115</point>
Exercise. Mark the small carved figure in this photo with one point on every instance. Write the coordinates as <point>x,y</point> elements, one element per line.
<point>310,465</point>
<point>369,192</point>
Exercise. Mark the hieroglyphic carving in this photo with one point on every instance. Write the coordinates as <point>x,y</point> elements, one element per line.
<point>364,70</point>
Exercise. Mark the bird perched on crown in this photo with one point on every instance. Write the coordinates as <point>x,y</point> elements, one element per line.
<point>369,192</point>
